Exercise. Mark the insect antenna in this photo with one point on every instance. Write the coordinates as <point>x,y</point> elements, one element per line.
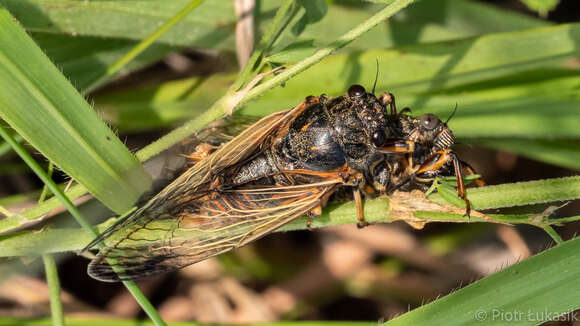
<point>376,77</point>
<point>452,114</point>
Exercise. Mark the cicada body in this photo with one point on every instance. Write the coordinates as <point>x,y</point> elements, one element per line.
<point>280,168</point>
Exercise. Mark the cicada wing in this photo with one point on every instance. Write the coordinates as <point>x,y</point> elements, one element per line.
<point>197,177</point>
<point>206,224</point>
<point>143,243</point>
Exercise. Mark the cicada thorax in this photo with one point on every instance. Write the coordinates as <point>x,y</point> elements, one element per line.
<point>330,133</point>
<point>323,135</point>
<point>310,142</point>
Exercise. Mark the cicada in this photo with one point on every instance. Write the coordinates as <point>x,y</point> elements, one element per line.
<point>282,167</point>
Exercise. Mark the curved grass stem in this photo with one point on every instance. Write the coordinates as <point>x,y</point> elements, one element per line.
<point>552,233</point>
<point>224,105</point>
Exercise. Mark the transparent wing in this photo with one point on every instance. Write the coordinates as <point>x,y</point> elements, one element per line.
<point>207,223</point>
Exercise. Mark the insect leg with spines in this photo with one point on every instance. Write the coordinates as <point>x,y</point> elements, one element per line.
<point>435,163</point>
<point>431,166</point>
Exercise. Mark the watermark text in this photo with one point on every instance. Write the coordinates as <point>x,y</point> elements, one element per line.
<point>515,315</point>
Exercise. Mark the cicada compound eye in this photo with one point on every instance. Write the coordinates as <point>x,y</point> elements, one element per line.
<point>356,91</point>
<point>429,121</point>
<point>379,137</point>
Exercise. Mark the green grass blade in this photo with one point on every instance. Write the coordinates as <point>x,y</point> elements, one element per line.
<point>521,193</point>
<point>83,59</point>
<point>30,243</point>
<point>6,148</point>
<point>425,21</point>
<point>51,272</point>
<point>542,7</point>
<point>145,44</point>
<point>45,190</point>
<point>44,108</point>
<point>534,291</point>
<point>213,26</point>
<point>37,213</point>
<point>524,98</point>
<point>47,181</point>
<point>557,152</point>
<point>553,234</point>
<point>429,67</point>
<point>283,15</point>
<point>162,105</point>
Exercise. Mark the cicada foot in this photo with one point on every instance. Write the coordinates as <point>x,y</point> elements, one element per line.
<point>200,152</point>
<point>467,207</point>
<point>389,99</point>
<point>362,224</point>
<point>316,211</point>
<point>359,209</point>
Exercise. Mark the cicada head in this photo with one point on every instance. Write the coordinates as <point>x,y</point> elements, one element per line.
<point>429,131</point>
<point>436,131</point>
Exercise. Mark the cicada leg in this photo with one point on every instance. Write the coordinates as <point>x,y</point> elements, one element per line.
<point>200,152</point>
<point>359,209</point>
<point>435,162</point>
<point>389,99</point>
<point>344,174</point>
<point>348,177</point>
<point>479,181</point>
<point>399,147</point>
<point>316,211</point>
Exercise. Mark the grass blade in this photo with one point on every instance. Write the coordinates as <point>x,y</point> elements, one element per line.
<point>54,290</point>
<point>428,68</point>
<point>214,26</point>
<point>83,59</point>
<point>557,152</point>
<point>536,290</point>
<point>44,108</point>
<point>145,44</point>
<point>521,193</point>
